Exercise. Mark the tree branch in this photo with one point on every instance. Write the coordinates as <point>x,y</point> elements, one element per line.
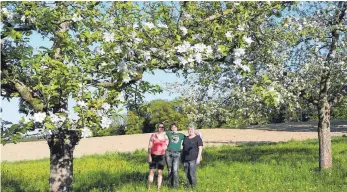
<point>309,99</point>
<point>26,95</point>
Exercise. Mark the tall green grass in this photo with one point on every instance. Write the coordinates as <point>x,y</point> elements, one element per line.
<point>291,166</point>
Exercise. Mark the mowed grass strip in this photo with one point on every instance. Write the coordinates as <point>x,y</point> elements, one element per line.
<point>290,166</point>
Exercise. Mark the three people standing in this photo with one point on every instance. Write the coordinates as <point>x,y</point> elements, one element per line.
<point>169,144</point>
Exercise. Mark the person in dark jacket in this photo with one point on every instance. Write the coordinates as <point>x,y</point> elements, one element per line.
<point>191,155</point>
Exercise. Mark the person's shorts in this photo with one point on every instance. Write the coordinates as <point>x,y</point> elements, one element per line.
<point>158,162</point>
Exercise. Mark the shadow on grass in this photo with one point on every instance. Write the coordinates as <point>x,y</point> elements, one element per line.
<point>10,185</point>
<point>110,181</point>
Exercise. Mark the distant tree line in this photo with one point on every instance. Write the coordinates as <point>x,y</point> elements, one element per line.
<point>144,117</point>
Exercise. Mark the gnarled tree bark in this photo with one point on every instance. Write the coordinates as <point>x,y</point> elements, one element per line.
<point>62,145</point>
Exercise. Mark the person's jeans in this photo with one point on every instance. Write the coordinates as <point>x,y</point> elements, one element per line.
<point>190,170</point>
<point>172,160</point>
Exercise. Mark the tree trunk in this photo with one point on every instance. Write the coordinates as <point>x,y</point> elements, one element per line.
<point>325,150</point>
<point>62,145</point>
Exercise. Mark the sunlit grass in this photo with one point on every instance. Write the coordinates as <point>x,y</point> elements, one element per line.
<point>291,166</point>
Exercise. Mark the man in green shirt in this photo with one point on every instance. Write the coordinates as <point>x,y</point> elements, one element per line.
<point>173,154</point>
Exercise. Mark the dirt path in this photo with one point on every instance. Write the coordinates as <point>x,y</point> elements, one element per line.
<point>129,143</point>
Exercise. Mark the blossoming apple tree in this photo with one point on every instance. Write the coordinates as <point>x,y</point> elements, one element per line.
<point>298,57</point>
<point>96,55</point>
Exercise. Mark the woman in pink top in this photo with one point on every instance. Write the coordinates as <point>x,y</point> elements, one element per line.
<point>156,152</point>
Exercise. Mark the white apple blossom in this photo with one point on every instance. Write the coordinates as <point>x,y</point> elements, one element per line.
<point>245,68</point>
<point>105,122</point>
<point>57,120</point>
<point>182,60</point>
<point>76,18</point>
<point>198,57</point>
<point>70,64</point>
<point>133,35</point>
<point>270,88</point>
<point>200,47</point>
<point>126,79</point>
<point>237,61</point>
<point>43,67</point>
<point>208,51</point>
<point>229,34</point>
<point>39,117</point>
<point>184,47</point>
<point>47,132</point>
<point>81,103</point>
<point>74,118</point>
<point>103,64</point>
<point>106,106</point>
<point>54,118</point>
<point>26,119</point>
<point>248,40</point>
<point>122,66</point>
<point>118,49</point>
<point>137,40</point>
<point>150,25</point>
<point>121,97</point>
<point>86,132</point>
<point>187,15</point>
<point>196,37</point>
<point>4,11</point>
<point>153,49</point>
<point>240,28</point>
<point>190,59</point>
<point>160,25</point>
<point>100,113</point>
<point>184,30</point>
<point>23,18</point>
<point>99,50</point>
<point>239,52</point>
<point>147,55</point>
<point>109,37</point>
<point>278,99</point>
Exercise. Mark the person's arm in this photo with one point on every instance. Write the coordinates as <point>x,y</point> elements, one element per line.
<point>182,136</point>
<point>200,146</point>
<point>150,144</point>
<point>167,141</point>
<point>198,133</point>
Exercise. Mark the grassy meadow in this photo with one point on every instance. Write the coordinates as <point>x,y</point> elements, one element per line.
<point>290,166</point>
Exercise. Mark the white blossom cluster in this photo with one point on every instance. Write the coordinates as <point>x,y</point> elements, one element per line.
<point>86,132</point>
<point>57,120</point>
<point>238,53</point>
<point>194,53</point>
<point>76,18</point>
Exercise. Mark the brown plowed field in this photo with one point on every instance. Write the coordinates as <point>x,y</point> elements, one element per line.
<point>129,143</point>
